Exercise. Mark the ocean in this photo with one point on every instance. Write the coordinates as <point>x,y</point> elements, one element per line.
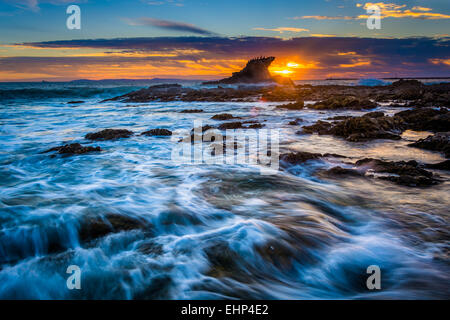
<point>206,231</point>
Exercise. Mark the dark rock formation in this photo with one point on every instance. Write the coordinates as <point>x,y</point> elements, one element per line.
<point>256,71</point>
<point>94,227</point>
<point>338,171</point>
<point>224,116</point>
<point>343,102</point>
<point>293,158</point>
<point>404,173</point>
<point>437,142</point>
<point>375,125</point>
<point>191,111</point>
<point>109,134</point>
<point>298,105</point>
<point>444,165</point>
<point>338,118</point>
<point>299,157</point>
<point>240,125</point>
<point>426,119</point>
<point>402,93</point>
<point>74,148</point>
<point>295,122</point>
<point>157,132</point>
<point>75,102</point>
<point>360,128</point>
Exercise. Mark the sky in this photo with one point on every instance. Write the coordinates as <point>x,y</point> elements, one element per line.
<point>199,39</point>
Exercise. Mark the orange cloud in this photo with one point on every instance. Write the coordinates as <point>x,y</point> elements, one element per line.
<point>283,29</point>
<point>388,10</point>
<point>392,10</point>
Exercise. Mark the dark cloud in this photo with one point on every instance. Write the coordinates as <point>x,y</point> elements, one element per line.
<point>170,25</point>
<point>362,57</point>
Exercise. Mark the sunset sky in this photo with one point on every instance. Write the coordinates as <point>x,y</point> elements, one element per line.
<point>198,39</point>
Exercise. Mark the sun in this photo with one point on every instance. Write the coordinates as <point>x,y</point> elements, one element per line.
<point>284,72</point>
<point>292,65</point>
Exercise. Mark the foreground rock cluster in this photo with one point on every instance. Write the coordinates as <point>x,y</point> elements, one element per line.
<point>410,93</point>
<point>406,173</point>
<point>375,125</point>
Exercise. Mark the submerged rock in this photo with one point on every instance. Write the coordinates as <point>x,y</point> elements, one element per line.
<point>74,148</point>
<point>157,132</point>
<point>437,142</point>
<point>337,171</point>
<point>109,134</point>
<point>407,173</point>
<point>191,111</point>
<point>295,122</point>
<point>94,227</point>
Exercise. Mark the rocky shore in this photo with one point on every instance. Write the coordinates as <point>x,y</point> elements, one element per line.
<point>409,93</point>
<point>422,108</point>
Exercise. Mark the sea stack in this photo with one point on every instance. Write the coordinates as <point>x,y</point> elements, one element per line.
<point>256,71</point>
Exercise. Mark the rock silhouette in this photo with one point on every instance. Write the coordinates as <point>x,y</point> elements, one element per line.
<point>256,71</point>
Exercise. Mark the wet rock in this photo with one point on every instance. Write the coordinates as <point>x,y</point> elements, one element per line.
<point>295,122</point>
<point>255,126</point>
<point>109,134</point>
<point>426,119</point>
<point>437,142</point>
<point>151,248</point>
<point>360,128</point>
<point>338,118</point>
<point>366,128</point>
<point>408,89</point>
<point>94,227</point>
<point>346,102</point>
<point>278,253</point>
<point>337,171</point>
<point>224,116</point>
<point>444,165</point>
<point>191,111</point>
<point>231,125</point>
<point>74,148</point>
<point>224,262</point>
<point>280,94</point>
<point>204,128</point>
<point>240,125</point>
<point>401,172</point>
<point>320,127</point>
<point>299,105</point>
<point>299,157</point>
<point>157,132</point>
<point>374,114</point>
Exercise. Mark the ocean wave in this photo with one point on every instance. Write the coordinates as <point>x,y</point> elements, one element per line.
<point>12,94</point>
